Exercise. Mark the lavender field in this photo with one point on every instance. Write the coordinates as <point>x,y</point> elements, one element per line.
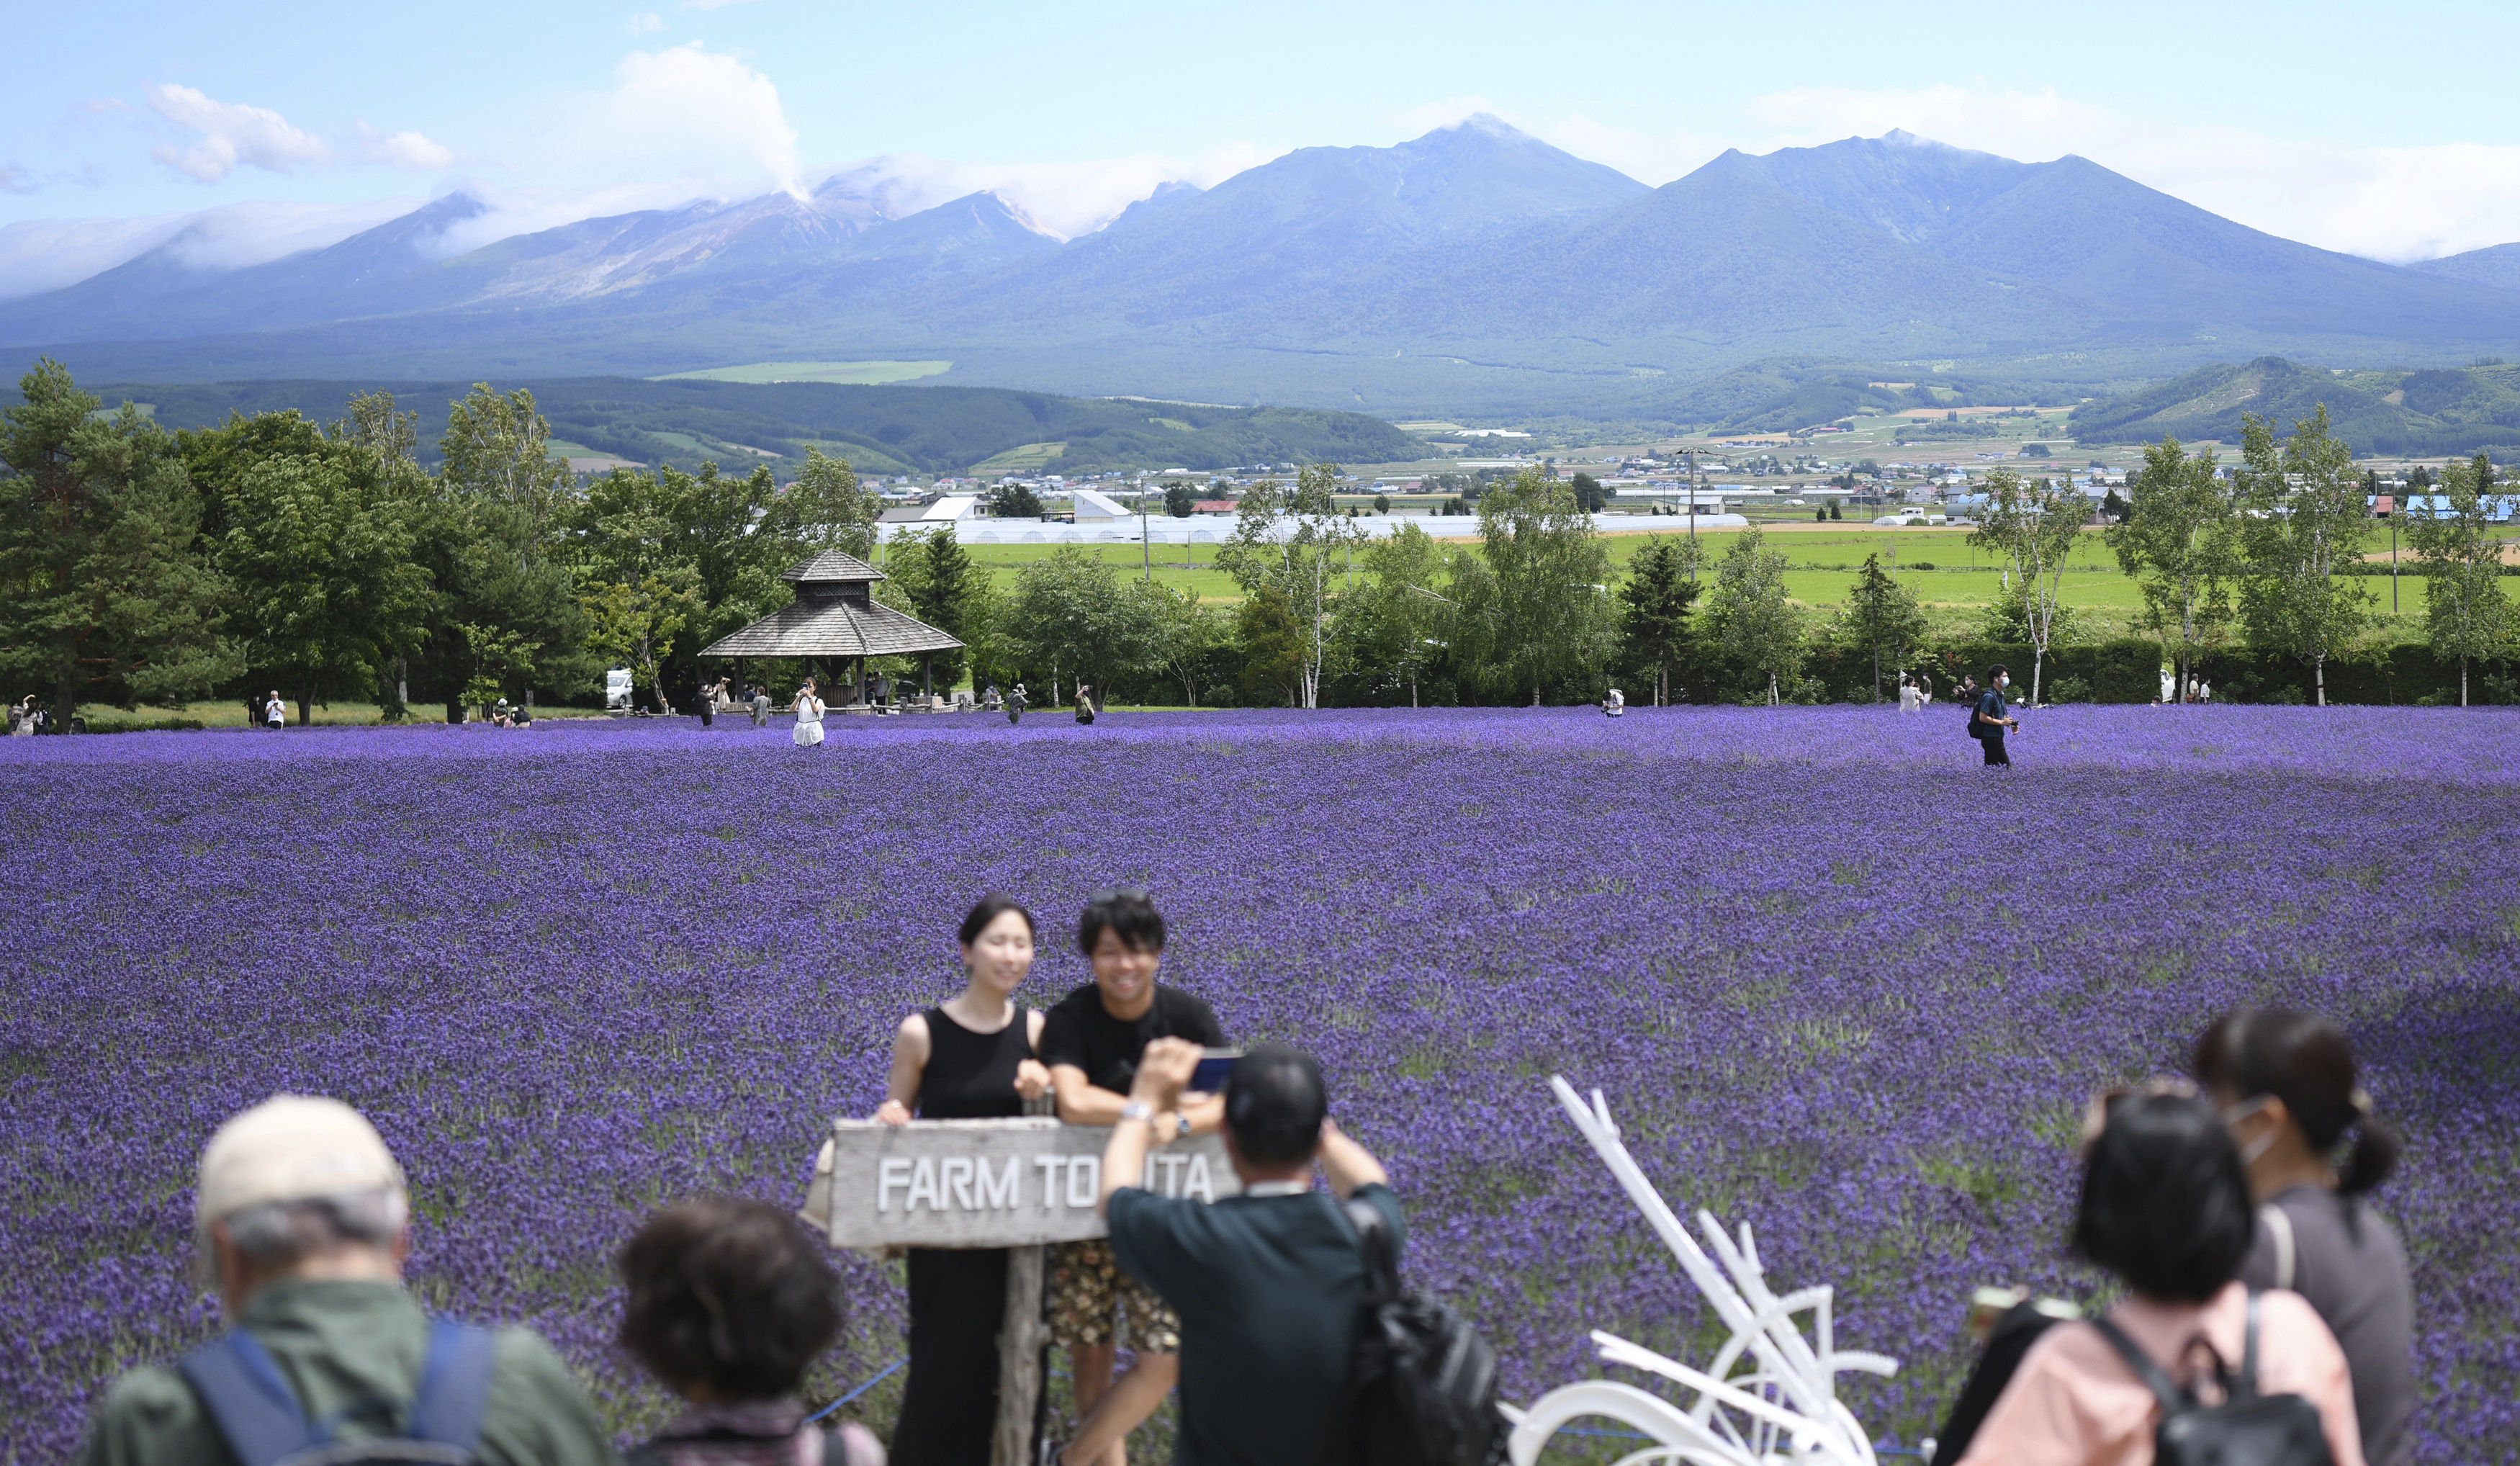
<point>1836,979</point>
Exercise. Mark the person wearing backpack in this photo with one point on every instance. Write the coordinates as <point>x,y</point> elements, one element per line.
<point>2285,1082</point>
<point>2194,1366</point>
<point>1990,718</point>
<point>1270,1284</point>
<point>302,1218</point>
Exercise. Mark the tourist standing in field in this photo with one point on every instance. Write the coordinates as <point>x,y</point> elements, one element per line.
<point>729,1303</point>
<point>1992,718</point>
<point>274,713</point>
<point>970,1057</point>
<point>1016,702</point>
<point>809,716</point>
<point>760,706</point>
<point>2285,1083</point>
<point>1092,1043</point>
<point>1269,1284</point>
<point>1084,703</point>
<point>1615,705</point>
<point>2164,1207</point>
<point>302,1218</point>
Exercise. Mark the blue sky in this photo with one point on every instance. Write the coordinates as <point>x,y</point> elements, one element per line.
<point>292,124</point>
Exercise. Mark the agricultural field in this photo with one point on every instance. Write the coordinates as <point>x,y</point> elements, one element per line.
<point>1836,981</point>
<point>1959,583</point>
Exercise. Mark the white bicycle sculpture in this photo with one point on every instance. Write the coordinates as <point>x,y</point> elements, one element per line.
<point>1781,1407</point>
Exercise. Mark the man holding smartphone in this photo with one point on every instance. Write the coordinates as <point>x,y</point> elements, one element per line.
<point>1270,1283</point>
<point>1093,1042</point>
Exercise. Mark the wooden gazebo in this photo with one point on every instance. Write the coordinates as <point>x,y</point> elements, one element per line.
<point>836,617</point>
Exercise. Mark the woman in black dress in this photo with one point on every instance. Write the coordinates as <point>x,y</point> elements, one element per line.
<point>969,1058</point>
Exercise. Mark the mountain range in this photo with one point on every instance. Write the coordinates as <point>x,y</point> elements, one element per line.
<point>1471,269</point>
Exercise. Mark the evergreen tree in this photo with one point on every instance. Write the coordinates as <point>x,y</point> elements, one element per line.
<point>104,591</point>
<point>937,578</point>
<point>1655,602</point>
<point>1884,615</point>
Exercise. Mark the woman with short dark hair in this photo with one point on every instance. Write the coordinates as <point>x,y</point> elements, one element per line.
<point>2165,1205</point>
<point>729,1303</point>
<point>2286,1085</point>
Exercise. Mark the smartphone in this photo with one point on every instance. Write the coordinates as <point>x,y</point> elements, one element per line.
<point>1213,1065</point>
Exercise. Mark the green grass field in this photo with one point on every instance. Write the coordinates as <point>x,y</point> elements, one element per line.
<point>845,373</point>
<point>1960,583</point>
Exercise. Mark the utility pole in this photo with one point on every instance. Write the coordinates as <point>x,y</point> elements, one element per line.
<point>2394,512</point>
<point>1692,516</point>
<point>1146,549</point>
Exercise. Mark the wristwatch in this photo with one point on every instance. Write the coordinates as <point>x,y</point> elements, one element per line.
<point>1137,1109</point>
<point>1181,1126</point>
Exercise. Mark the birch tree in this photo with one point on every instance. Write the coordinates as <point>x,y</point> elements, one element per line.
<point>2032,529</point>
<point>1295,541</point>
<point>2178,541</point>
<point>2302,517</point>
<point>2466,615</point>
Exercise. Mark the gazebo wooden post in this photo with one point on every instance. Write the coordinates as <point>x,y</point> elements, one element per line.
<point>928,676</point>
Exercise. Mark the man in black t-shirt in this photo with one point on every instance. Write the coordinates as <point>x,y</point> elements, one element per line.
<point>1269,1283</point>
<point>1092,1042</point>
<point>1993,717</point>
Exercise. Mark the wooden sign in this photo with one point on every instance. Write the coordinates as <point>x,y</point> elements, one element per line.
<point>987,1182</point>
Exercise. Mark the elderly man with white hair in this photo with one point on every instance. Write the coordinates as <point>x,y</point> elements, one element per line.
<point>303,1223</point>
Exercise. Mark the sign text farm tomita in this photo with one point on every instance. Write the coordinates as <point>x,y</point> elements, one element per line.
<point>987,1182</point>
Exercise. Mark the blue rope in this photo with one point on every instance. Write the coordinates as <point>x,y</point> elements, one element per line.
<point>889,1370</point>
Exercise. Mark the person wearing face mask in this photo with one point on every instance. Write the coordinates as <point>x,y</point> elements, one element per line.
<point>2285,1082</point>
<point>1992,718</point>
<point>1093,1043</point>
<point>970,1057</point>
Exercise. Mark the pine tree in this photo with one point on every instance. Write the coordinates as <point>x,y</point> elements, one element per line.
<point>1884,613</point>
<point>108,595</point>
<point>1654,603</point>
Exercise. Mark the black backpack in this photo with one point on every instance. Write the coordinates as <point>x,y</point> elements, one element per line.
<point>264,1425</point>
<point>2247,1429</point>
<point>1423,1384</point>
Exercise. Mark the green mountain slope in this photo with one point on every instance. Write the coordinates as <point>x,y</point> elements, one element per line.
<point>2417,414</point>
<point>884,430</point>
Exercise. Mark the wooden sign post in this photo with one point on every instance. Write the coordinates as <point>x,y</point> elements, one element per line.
<point>1019,1184</point>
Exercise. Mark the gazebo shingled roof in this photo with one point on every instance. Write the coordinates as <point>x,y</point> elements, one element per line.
<point>833,616</point>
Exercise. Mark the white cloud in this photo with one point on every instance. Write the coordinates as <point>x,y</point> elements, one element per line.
<point>409,150</point>
<point>41,255</point>
<point>1066,198</point>
<point>236,134</point>
<point>233,133</point>
<point>690,113</point>
<point>17,180</point>
<point>646,22</point>
<point>2393,203</point>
